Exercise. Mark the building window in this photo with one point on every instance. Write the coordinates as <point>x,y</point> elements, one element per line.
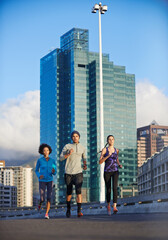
<point>81,65</point>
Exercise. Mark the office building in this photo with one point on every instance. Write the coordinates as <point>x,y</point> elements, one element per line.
<point>22,178</point>
<point>69,99</point>
<point>150,139</point>
<point>153,174</point>
<point>8,196</point>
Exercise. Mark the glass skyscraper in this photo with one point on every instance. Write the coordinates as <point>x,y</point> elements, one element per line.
<point>69,99</point>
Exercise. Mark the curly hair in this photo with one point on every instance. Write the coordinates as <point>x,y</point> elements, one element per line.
<point>42,146</point>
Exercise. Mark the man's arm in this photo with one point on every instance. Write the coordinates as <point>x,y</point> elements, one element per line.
<point>84,160</point>
<point>65,153</point>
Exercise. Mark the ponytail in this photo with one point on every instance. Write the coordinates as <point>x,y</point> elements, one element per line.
<point>106,143</point>
<point>104,147</point>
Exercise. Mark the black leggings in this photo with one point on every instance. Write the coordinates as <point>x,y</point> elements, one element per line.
<point>107,178</point>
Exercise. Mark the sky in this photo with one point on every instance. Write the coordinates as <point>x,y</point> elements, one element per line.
<point>134,33</point>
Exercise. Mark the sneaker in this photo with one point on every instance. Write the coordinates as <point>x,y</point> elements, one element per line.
<point>115,210</point>
<point>109,210</point>
<point>46,216</point>
<point>68,213</point>
<point>80,214</point>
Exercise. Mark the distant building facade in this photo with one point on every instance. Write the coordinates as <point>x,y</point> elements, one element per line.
<point>153,174</point>
<point>8,196</point>
<point>22,178</point>
<point>150,139</point>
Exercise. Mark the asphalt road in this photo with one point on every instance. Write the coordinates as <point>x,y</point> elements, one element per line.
<point>98,227</point>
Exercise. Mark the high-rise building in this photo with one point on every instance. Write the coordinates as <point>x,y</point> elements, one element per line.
<point>150,139</point>
<point>69,99</point>
<point>22,178</point>
<point>153,174</point>
<point>2,163</point>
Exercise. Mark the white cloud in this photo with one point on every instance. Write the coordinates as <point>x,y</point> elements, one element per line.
<point>19,126</point>
<point>151,104</point>
<point>20,119</point>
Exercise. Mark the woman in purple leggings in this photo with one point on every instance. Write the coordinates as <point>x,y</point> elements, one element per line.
<point>109,155</point>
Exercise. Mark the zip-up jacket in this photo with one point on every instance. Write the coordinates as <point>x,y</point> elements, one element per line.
<point>45,168</point>
<point>73,162</point>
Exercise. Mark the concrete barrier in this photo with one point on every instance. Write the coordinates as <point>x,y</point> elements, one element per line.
<point>156,203</point>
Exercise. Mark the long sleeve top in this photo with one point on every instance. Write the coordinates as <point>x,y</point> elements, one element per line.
<point>44,167</point>
<point>73,162</point>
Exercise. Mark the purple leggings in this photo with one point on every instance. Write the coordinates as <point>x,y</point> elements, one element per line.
<point>42,188</point>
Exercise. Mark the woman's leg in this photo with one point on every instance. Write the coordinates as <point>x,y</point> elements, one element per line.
<point>115,184</point>
<point>107,178</point>
<point>49,194</point>
<point>48,207</point>
<point>42,186</point>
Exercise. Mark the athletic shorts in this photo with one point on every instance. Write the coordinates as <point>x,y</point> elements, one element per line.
<point>42,188</point>
<point>75,179</point>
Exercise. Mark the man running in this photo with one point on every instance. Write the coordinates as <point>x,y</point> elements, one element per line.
<point>74,153</point>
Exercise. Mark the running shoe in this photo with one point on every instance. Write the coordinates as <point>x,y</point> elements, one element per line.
<point>115,210</point>
<point>80,214</point>
<point>109,210</point>
<point>68,213</point>
<point>46,216</point>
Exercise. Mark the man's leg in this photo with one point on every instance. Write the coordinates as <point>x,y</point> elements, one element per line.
<point>78,186</point>
<point>68,181</point>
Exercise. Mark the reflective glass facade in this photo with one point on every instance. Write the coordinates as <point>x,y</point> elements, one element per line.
<point>69,88</point>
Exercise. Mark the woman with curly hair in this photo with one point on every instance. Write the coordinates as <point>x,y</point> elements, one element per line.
<point>109,155</point>
<point>45,169</point>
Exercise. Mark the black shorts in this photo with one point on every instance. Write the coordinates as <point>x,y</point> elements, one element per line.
<point>75,179</point>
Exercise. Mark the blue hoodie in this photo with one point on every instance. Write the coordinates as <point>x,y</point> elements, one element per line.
<point>45,169</point>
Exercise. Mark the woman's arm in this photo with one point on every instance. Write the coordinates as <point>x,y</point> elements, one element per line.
<point>53,167</point>
<point>37,168</point>
<point>102,159</point>
<point>120,166</point>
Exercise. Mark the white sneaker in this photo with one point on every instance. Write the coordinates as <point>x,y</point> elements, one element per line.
<point>46,216</point>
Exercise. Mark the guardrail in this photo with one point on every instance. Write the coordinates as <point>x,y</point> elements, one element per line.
<point>139,204</point>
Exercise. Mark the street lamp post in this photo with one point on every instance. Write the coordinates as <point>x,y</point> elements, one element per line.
<point>102,10</point>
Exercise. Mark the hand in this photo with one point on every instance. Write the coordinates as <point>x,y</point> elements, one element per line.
<point>84,167</point>
<point>71,151</point>
<point>53,170</point>
<point>41,176</point>
<point>120,166</point>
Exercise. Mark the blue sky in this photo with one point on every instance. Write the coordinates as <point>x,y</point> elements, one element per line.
<point>135,34</point>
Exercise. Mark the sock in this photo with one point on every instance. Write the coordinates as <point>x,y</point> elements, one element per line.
<point>79,207</point>
<point>68,205</point>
